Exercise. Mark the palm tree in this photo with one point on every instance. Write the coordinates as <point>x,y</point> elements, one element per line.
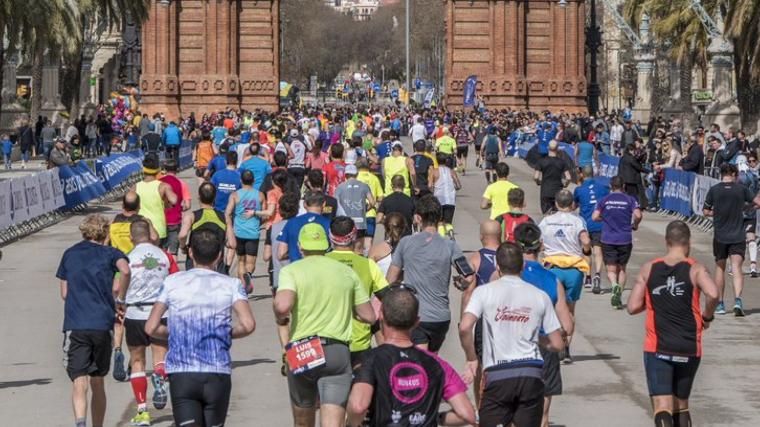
<point>743,28</point>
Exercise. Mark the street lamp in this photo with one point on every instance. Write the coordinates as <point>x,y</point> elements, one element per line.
<point>408,70</point>
<point>593,42</point>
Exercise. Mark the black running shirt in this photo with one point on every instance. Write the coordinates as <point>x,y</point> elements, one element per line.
<point>727,201</point>
<point>409,385</point>
<point>674,316</point>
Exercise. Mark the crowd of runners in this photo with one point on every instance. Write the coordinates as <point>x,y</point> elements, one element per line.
<point>362,313</point>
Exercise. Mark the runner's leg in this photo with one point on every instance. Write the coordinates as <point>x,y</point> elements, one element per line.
<point>98,401</point>
<point>79,399</point>
<point>720,279</point>
<point>738,278</point>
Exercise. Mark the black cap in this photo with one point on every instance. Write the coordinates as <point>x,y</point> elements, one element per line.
<point>151,161</point>
<point>528,237</point>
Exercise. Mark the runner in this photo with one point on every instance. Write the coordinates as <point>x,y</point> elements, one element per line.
<point>334,171</point>
<point>204,218</point>
<point>320,327</point>
<point>377,383</point>
<point>426,259</point>
<point>86,272</point>
<point>496,196</point>
<point>398,164</point>
<point>512,363</point>
<point>397,202</point>
<point>491,153</point>
<point>528,237</point>
<point>259,166</point>
<point>203,153</point>
<point>566,244</point>
<point>343,235</point>
<point>154,196</point>
<point>376,189</point>
<point>315,181</point>
<point>620,216</point>
<point>552,175</point>
<point>464,139</point>
<point>288,237</point>
<point>354,200</point>
<point>173,214</point>
<point>445,184</point>
<point>586,197</point>
<point>423,166</point>
<point>226,182</point>
<point>668,288</point>
<point>200,333</point>
<point>299,147</point>
<point>446,145</point>
<point>484,264</point>
<point>725,203</point>
<point>382,253</point>
<point>245,211</point>
<point>515,216</point>
<point>149,266</point>
<point>747,178</point>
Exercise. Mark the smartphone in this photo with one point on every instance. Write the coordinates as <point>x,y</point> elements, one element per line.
<point>463,267</point>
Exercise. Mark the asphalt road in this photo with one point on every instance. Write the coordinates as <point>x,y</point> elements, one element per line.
<point>605,386</point>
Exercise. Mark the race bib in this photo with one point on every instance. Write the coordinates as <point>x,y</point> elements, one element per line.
<point>305,355</point>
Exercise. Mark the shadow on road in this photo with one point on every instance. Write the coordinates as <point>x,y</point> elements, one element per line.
<point>598,356</point>
<point>252,362</point>
<point>24,383</point>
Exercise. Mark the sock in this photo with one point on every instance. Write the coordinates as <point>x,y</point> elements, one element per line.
<point>488,177</point>
<point>752,251</point>
<point>663,419</point>
<point>158,368</point>
<point>139,389</point>
<point>81,422</point>
<point>682,418</point>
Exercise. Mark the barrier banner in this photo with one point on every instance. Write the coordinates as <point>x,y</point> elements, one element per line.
<point>115,169</point>
<point>33,199</point>
<point>6,207</point>
<point>18,201</point>
<point>80,185</point>
<point>185,154</point>
<point>525,145</point>
<point>46,191</point>
<point>676,190</point>
<point>608,167</point>
<point>569,149</point>
<point>701,185</point>
<point>55,182</point>
<point>470,87</point>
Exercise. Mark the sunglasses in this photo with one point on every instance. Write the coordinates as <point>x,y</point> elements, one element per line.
<point>401,287</point>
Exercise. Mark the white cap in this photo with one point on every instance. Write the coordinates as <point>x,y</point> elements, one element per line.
<point>351,170</point>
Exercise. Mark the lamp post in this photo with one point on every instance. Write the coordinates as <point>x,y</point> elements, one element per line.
<point>593,42</point>
<point>408,70</point>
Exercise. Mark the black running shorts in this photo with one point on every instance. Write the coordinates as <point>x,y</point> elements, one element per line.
<point>722,251</point>
<point>430,333</point>
<point>515,400</point>
<point>670,375</point>
<point>616,254</point>
<point>248,247</point>
<point>134,333</point>
<point>87,353</point>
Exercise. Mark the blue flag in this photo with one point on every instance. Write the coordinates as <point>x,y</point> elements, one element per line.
<point>470,86</point>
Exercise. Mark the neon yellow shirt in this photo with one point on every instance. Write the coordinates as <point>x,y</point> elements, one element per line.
<point>326,293</point>
<point>375,188</point>
<point>393,166</point>
<point>152,205</point>
<point>445,144</point>
<point>497,193</point>
<point>373,280</point>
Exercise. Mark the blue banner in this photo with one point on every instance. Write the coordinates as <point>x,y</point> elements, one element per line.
<point>608,167</point>
<point>80,184</point>
<point>115,169</point>
<point>185,154</point>
<point>676,191</point>
<point>470,86</point>
<point>569,149</point>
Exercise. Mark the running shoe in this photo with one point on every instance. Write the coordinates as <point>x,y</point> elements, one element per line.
<point>566,357</point>
<point>119,374</point>
<point>160,395</point>
<point>141,419</point>
<point>248,279</point>
<point>596,287</point>
<point>617,293</point>
<point>753,271</point>
<point>587,282</point>
<point>721,308</point>
<point>738,308</point>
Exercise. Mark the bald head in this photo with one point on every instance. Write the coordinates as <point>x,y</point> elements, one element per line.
<point>490,231</point>
<point>553,144</point>
<point>131,202</point>
<point>588,172</point>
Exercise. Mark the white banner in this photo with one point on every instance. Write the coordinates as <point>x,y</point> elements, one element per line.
<point>6,219</point>
<point>18,197</point>
<point>55,181</point>
<point>701,185</point>
<point>33,199</point>
<point>46,191</point>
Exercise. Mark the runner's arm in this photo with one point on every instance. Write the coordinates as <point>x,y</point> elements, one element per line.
<point>283,303</point>
<point>467,294</point>
<point>358,403</point>
<point>467,340</point>
<point>124,276</point>
<point>282,251</point>
<point>170,199</point>
<point>64,289</point>
<point>708,287</point>
<point>246,323</point>
<point>636,301</point>
<point>412,174</point>
<point>537,177</point>
<point>153,326</point>
<point>231,241</point>
<point>184,231</point>
<point>553,341</point>
<point>365,313</point>
<point>585,242</point>
<point>393,275</point>
<point>637,216</point>
<point>462,413</point>
<point>597,215</point>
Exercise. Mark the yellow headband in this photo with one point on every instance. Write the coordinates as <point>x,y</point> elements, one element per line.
<point>150,171</point>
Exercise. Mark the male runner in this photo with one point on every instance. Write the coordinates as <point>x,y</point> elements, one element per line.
<point>566,246</point>
<point>373,182</point>
<point>422,168</point>
<point>86,272</point>
<point>354,200</point>
<point>426,259</point>
<point>343,235</point>
<point>515,216</point>
<point>668,289</point>
<point>490,153</point>
<point>528,237</point>
<point>496,195</point>
<point>288,237</point>
<point>200,333</point>
<point>398,164</point>
<point>173,214</point>
<point>620,215</point>
<point>552,174</point>
<point>378,383</point>
<point>726,202</point>
<point>464,139</point>
<point>586,197</point>
<point>204,218</point>
<point>513,311</point>
<point>154,195</point>
<point>245,211</point>
<point>446,146</point>
<point>319,358</point>
<point>334,171</point>
<point>149,266</point>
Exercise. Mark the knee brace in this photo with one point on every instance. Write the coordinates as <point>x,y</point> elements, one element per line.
<point>663,419</point>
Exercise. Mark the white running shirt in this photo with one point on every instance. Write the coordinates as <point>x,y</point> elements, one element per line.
<point>513,312</point>
<point>149,266</point>
<point>560,232</point>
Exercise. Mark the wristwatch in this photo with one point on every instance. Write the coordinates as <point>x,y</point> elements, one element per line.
<point>708,319</point>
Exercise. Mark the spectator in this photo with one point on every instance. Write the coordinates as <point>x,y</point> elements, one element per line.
<point>694,161</point>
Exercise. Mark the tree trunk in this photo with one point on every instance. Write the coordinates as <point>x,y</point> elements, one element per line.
<point>2,69</point>
<point>685,71</point>
<point>38,56</point>
<point>78,58</point>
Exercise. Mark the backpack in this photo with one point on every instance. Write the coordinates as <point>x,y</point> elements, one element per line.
<point>509,222</point>
<point>463,137</point>
<point>492,148</point>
